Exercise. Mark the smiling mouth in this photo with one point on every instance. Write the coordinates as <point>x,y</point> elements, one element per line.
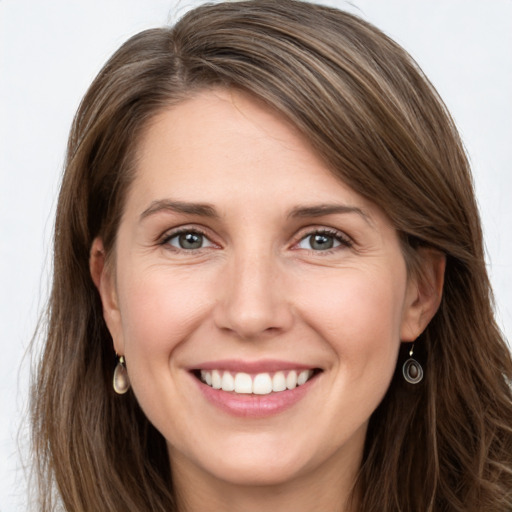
<point>255,384</point>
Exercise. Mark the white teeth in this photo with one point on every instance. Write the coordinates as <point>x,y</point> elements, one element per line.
<point>279,382</point>
<point>216,380</point>
<point>291,380</point>
<point>228,382</point>
<point>243,383</point>
<point>262,384</point>
<point>206,377</point>
<point>259,384</point>
<point>303,377</point>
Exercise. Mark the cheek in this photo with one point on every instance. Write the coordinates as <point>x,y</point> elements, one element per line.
<point>158,311</point>
<point>359,313</point>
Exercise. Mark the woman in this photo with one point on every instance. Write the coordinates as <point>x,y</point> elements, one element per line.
<point>269,282</point>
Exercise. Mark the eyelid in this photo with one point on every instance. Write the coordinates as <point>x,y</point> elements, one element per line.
<point>344,240</point>
<point>340,236</point>
<point>174,232</point>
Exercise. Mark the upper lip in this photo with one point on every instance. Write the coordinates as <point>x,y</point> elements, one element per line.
<point>262,366</point>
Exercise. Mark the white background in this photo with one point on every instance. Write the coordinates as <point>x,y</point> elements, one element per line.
<point>49,53</point>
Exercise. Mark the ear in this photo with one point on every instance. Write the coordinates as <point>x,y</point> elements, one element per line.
<point>424,293</point>
<point>103,277</point>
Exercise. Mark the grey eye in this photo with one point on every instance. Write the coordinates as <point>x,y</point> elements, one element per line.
<point>189,240</point>
<point>319,242</point>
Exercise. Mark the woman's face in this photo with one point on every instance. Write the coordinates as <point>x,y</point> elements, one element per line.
<point>242,262</point>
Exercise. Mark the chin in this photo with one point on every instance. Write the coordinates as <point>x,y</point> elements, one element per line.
<point>249,473</point>
<point>251,462</point>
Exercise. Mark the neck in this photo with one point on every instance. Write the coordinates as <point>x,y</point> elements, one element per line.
<point>329,487</point>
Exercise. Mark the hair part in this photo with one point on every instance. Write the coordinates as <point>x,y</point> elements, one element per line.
<point>370,113</point>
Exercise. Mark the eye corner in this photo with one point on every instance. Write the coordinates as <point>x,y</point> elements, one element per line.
<point>322,240</point>
<point>187,240</point>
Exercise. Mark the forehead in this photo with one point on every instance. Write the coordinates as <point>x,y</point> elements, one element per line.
<point>222,123</point>
<point>227,147</point>
<point>222,131</point>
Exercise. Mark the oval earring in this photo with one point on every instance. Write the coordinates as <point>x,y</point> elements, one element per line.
<point>412,370</point>
<point>121,381</point>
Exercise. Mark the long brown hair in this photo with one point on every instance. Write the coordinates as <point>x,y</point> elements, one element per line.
<point>443,445</point>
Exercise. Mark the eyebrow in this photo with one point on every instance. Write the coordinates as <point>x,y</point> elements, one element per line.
<point>328,209</point>
<point>207,210</point>
<point>163,205</point>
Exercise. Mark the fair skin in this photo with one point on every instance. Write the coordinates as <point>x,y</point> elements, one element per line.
<point>239,252</point>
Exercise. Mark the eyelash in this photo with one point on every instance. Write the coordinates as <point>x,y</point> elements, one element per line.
<point>343,240</point>
<point>174,234</point>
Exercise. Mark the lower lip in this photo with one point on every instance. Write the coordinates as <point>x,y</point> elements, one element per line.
<point>255,406</point>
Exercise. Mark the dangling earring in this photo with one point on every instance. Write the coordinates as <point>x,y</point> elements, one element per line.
<point>121,381</point>
<point>412,370</point>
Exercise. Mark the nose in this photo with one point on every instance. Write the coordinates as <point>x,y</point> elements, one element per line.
<point>253,298</point>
